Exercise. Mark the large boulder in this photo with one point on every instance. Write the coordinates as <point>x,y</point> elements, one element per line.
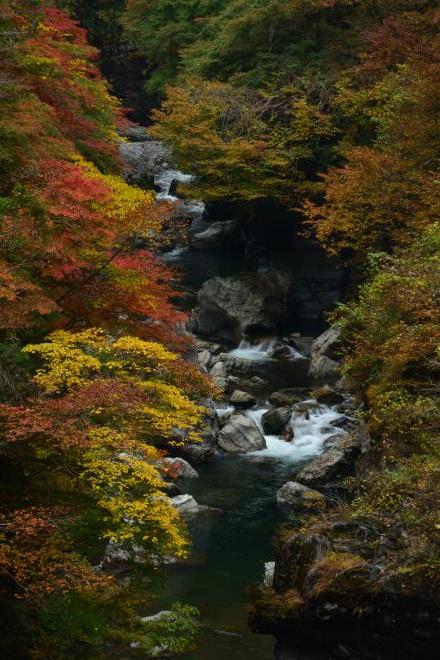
<point>324,364</point>
<point>242,399</point>
<point>294,497</point>
<point>240,435</point>
<point>219,369</point>
<point>217,236</point>
<point>328,344</point>
<point>337,461</point>
<point>199,452</point>
<point>275,420</point>
<point>178,468</point>
<point>328,396</point>
<point>285,397</point>
<point>253,303</point>
<point>323,368</point>
<point>296,557</point>
<point>143,160</point>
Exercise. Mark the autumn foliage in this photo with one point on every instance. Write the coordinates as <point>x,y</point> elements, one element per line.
<point>93,392</point>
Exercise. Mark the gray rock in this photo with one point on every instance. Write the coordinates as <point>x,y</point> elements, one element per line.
<point>296,497</point>
<point>204,358</point>
<point>240,435</point>
<point>233,382</point>
<point>327,344</point>
<point>328,396</point>
<point>275,420</point>
<point>252,303</point>
<point>187,506</point>
<point>324,351</point>
<point>335,439</point>
<point>143,160</point>
<point>198,453</point>
<point>280,351</point>
<point>338,461</point>
<point>217,236</point>
<point>178,468</point>
<point>285,397</point>
<point>156,617</point>
<point>219,369</point>
<point>322,368</point>
<point>269,570</point>
<point>242,399</point>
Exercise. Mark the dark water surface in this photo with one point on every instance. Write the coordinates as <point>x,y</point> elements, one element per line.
<point>229,553</point>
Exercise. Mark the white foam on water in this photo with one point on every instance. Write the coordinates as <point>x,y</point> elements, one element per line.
<point>253,352</point>
<point>220,411</point>
<point>309,435</point>
<point>261,350</point>
<point>164,181</point>
<point>294,352</point>
<point>173,255</point>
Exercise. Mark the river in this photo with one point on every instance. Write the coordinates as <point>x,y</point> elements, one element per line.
<point>230,550</point>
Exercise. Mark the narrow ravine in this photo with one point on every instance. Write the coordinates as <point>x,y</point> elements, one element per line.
<point>233,552</point>
<point>234,513</point>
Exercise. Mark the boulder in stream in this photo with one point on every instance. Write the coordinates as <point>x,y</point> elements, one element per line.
<point>240,435</point>
<point>337,461</point>
<point>178,468</point>
<point>275,420</point>
<point>324,351</point>
<point>298,498</point>
<point>285,397</point>
<point>143,160</point>
<point>241,399</point>
<point>328,396</point>
<point>229,308</point>
<point>187,506</point>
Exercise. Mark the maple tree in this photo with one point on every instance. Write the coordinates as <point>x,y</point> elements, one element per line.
<point>386,193</point>
<point>94,392</point>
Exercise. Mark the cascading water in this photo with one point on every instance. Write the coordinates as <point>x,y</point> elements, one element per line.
<point>262,350</point>
<point>248,351</point>
<point>230,551</point>
<point>164,181</point>
<point>309,434</point>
